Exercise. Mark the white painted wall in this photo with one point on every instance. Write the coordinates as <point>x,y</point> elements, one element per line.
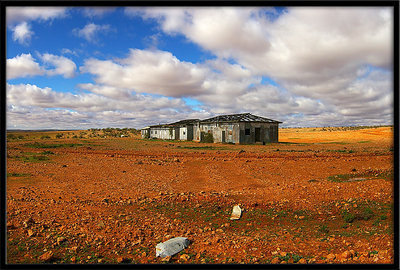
<point>162,133</point>
<point>182,133</point>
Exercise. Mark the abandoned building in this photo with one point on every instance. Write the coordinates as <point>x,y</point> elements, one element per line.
<point>244,128</point>
<point>181,130</point>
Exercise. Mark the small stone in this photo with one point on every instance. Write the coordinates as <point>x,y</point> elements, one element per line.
<point>27,223</point>
<point>46,256</point>
<point>60,240</point>
<point>346,254</point>
<point>275,260</point>
<point>283,254</point>
<point>166,259</point>
<point>184,257</point>
<point>302,261</point>
<point>121,259</point>
<point>73,259</point>
<point>30,233</point>
<point>10,226</point>
<point>100,260</point>
<point>331,256</point>
<point>101,224</point>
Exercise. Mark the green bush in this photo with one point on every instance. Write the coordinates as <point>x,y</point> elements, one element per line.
<point>367,213</point>
<point>45,137</point>
<point>323,229</point>
<point>207,138</point>
<point>11,137</point>
<point>348,217</point>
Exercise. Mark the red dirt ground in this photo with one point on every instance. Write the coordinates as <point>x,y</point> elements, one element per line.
<point>113,200</point>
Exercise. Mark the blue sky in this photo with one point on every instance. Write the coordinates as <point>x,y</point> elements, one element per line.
<point>79,68</point>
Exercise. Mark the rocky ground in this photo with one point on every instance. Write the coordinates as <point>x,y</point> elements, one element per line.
<point>316,197</point>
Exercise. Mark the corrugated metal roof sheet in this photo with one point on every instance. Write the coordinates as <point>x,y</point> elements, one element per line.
<point>241,117</point>
<point>179,123</point>
<point>185,122</point>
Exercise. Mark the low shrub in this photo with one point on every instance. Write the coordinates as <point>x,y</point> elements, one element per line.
<point>207,138</point>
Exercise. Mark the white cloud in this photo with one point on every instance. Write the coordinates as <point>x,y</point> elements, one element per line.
<point>17,20</point>
<point>96,11</point>
<point>332,67</point>
<point>316,54</point>
<point>224,31</point>
<point>107,91</point>
<point>155,72</point>
<point>63,66</point>
<point>68,51</point>
<point>90,31</point>
<point>22,33</point>
<point>31,106</point>
<point>20,14</point>
<point>23,65</point>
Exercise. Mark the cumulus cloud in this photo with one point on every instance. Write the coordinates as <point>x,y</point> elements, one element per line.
<point>90,31</point>
<point>17,20</point>
<point>155,72</point>
<point>31,102</point>
<point>316,54</point>
<point>107,91</point>
<point>20,14</point>
<point>332,66</point>
<point>312,46</point>
<point>63,66</point>
<point>23,65</point>
<point>224,31</point>
<point>22,33</point>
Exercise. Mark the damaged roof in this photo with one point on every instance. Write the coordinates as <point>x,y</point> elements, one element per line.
<point>179,123</point>
<point>241,117</point>
<point>185,122</point>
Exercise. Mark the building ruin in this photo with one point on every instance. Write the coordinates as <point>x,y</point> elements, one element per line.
<point>244,128</point>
